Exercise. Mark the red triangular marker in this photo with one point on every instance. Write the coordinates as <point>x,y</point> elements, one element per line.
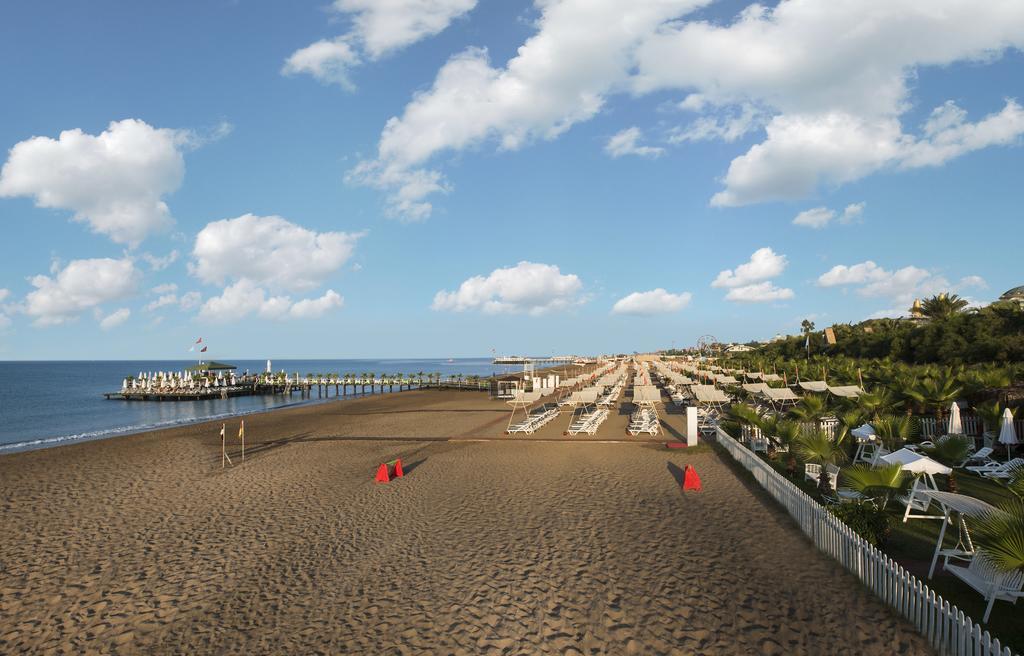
<point>690,480</point>
<point>382,474</point>
<point>398,469</point>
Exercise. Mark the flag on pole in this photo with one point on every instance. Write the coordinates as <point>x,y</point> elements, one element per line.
<point>193,347</point>
<point>202,350</point>
<point>807,345</point>
<point>199,341</point>
<point>241,436</point>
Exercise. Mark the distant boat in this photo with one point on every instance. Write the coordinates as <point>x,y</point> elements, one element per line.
<point>450,361</point>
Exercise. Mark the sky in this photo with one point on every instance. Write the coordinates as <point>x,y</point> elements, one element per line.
<point>456,178</point>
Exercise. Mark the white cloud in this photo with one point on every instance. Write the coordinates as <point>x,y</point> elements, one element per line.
<point>819,217</point>
<point>270,251</point>
<point>656,301</point>
<point>525,288</point>
<point>901,286</point>
<point>4,293</point>
<point>5,321</point>
<point>190,300</point>
<point>114,181</point>
<point>157,263</point>
<point>115,318</point>
<point>729,126</point>
<point>162,301</point>
<point>245,298</point>
<point>761,292</point>
<point>626,142</point>
<point>166,288</point>
<point>80,286</point>
<point>328,60</point>
<point>562,75</point>
<point>764,263</point>
<point>379,27</point>
<point>312,308</point>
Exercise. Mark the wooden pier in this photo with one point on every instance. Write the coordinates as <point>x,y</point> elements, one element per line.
<point>254,386</point>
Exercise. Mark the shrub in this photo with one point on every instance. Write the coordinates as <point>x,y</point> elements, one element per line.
<point>866,520</point>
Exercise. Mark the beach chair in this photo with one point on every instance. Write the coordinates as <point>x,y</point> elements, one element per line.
<point>995,469</point>
<point>981,457</point>
<point>989,582</point>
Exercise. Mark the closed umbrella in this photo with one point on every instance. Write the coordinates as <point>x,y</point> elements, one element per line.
<point>955,426</point>
<point>1007,435</point>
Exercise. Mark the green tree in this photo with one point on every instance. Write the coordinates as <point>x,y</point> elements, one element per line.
<point>943,306</point>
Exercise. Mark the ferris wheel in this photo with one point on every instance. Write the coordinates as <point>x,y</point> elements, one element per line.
<point>705,345</point>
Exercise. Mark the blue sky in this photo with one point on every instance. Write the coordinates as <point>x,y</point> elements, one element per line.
<point>447,177</point>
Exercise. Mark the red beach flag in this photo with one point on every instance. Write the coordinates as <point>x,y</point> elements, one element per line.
<point>199,341</point>
<point>202,350</point>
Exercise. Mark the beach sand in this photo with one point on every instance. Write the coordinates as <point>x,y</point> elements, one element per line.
<point>143,544</point>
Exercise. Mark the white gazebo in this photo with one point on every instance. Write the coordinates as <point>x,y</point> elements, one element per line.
<point>922,468</point>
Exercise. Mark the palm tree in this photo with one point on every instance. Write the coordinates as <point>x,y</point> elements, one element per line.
<point>419,379</point>
<point>880,484</point>
<point>818,447</point>
<point>936,392</point>
<point>991,416</point>
<point>1000,536</point>
<point>811,409</point>
<point>895,430</point>
<point>943,306</point>
<point>951,451</point>
<point>877,402</point>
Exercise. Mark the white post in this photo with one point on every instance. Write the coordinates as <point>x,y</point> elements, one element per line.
<point>691,426</point>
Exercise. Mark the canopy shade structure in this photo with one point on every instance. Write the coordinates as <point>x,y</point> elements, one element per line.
<point>524,398</point>
<point>847,391</point>
<point>212,366</point>
<point>964,506</point>
<point>771,378</point>
<point>779,394</point>
<point>915,463</point>
<point>708,394</point>
<point>727,380</point>
<point>754,388</point>
<point>646,394</point>
<point>814,385</point>
<point>753,375</point>
<point>864,432</point>
<point>924,468</point>
<point>1007,434</point>
<point>955,426</point>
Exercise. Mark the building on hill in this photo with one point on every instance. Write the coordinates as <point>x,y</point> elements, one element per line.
<point>1015,295</point>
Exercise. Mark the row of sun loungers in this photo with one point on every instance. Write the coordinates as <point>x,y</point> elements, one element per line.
<point>588,422</point>
<point>644,420</point>
<point>534,420</point>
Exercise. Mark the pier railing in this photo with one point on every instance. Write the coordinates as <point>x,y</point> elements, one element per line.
<point>946,627</point>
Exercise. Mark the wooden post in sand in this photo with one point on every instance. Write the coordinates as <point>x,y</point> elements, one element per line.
<point>241,436</point>
<point>223,447</point>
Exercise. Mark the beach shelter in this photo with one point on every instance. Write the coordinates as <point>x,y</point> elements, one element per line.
<point>1007,434</point>
<point>923,469</point>
<point>819,386</point>
<point>955,426</point>
<point>846,391</point>
<point>963,506</point>
<point>780,397</point>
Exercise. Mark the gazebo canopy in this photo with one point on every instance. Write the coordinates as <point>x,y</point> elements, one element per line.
<point>212,366</point>
<point>916,463</point>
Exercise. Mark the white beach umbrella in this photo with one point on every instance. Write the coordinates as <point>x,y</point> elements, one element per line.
<point>955,426</point>
<point>1007,434</point>
<point>864,432</point>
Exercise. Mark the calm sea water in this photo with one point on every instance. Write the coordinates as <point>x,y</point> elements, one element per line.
<point>48,403</point>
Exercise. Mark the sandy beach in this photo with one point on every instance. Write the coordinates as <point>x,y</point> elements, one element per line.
<point>143,544</point>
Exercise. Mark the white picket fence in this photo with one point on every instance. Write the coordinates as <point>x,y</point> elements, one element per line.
<point>946,627</point>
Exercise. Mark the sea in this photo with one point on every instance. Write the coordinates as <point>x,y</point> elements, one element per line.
<point>44,404</point>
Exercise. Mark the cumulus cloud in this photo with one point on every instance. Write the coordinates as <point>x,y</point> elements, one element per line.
<point>528,287</point>
<point>245,298</point>
<point>764,263</point>
<point>254,254</point>
<point>379,27</point>
<point>115,319</point>
<point>328,60</point>
<point>819,217</point>
<point>114,181</point>
<point>270,251</point>
<point>901,285</point>
<point>656,301</point>
<point>562,75</point>
<point>827,81</point>
<point>761,292</point>
<point>627,141</point>
<point>81,285</point>
<point>4,293</point>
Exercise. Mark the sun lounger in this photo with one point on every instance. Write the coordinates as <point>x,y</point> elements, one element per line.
<point>988,581</point>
